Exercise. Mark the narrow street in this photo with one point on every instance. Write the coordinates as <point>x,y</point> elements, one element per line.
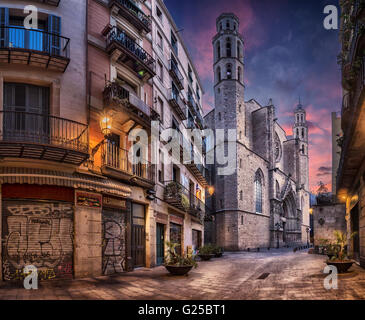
<point>291,275</point>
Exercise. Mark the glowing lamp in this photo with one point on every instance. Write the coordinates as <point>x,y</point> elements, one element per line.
<point>211,190</point>
<point>106,125</point>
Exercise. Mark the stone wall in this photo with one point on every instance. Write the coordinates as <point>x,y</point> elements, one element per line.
<point>327,219</point>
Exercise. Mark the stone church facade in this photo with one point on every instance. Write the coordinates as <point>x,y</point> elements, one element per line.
<point>265,203</point>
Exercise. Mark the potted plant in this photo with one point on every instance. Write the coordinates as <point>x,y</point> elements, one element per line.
<point>217,251</point>
<point>177,264</point>
<point>206,252</point>
<point>340,258</point>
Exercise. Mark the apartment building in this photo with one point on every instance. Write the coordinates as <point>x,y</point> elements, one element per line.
<point>179,207</point>
<point>44,140</point>
<point>80,194</point>
<point>350,184</point>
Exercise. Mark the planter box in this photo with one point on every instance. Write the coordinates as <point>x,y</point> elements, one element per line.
<point>178,270</point>
<point>342,266</point>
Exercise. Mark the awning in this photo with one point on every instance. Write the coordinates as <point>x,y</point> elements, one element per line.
<point>75,180</point>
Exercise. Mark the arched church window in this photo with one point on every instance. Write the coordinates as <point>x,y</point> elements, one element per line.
<point>297,117</point>
<point>218,50</point>
<point>302,118</point>
<point>228,48</point>
<point>229,71</point>
<point>302,133</point>
<point>239,74</point>
<point>297,133</point>
<point>258,191</point>
<point>228,25</point>
<point>277,187</point>
<point>238,50</point>
<point>241,195</point>
<point>219,75</point>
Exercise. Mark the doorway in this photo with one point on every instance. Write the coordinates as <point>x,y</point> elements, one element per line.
<point>138,235</point>
<point>160,244</point>
<point>355,228</point>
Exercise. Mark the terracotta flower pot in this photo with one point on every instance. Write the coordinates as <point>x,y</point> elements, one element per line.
<point>178,270</point>
<point>342,266</point>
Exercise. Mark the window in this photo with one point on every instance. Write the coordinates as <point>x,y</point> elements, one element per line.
<point>220,26</point>
<point>229,71</point>
<point>161,110</point>
<point>277,187</point>
<point>239,74</point>
<point>241,195</point>
<point>302,117</point>
<point>162,167</point>
<point>190,74</point>
<point>258,191</point>
<point>239,108</point>
<point>297,133</point>
<point>228,48</point>
<point>219,75</point>
<point>218,50</point>
<point>238,50</point>
<point>303,133</point>
<point>219,116</point>
<point>241,220</point>
<point>159,40</point>
<point>197,92</point>
<point>228,25</point>
<point>159,13</point>
<point>160,70</point>
<point>240,135</point>
<point>174,43</point>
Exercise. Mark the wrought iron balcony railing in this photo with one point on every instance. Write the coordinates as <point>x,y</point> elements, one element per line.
<point>178,104</point>
<point>34,47</point>
<point>118,158</point>
<point>31,135</point>
<point>181,198</point>
<point>134,14</point>
<point>176,75</point>
<point>113,91</point>
<point>141,61</point>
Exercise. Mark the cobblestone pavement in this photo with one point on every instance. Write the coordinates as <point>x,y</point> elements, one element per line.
<point>292,275</point>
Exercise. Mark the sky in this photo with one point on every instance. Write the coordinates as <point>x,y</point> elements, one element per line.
<point>288,54</point>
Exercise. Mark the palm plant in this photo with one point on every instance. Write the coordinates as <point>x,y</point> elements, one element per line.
<point>340,252</point>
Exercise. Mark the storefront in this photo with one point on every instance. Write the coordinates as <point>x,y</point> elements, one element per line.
<point>37,229</point>
<point>138,235</point>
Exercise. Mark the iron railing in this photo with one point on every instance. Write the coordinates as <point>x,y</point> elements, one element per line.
<point>174,70</point>
<point>24,127</point>
<point>119,36</point>
<point>175,99</point>
<point>34,40</point>
<point>177,195</point>
<point>118,158</point>
<point>135,11</point>
<point>114,91</point>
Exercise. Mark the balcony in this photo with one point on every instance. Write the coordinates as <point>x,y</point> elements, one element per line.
<point>117,96</point>
<point>132,13</point>
<point>176,75</point>
<point>116,164</point>
<point>43,137</point>
<point>179,197</point>
<point>35,48</point>
<point>126,51</point>
<point>50,2</point>
<point>177,103</point>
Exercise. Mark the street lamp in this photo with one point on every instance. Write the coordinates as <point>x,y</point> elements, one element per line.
<point>308,229</point>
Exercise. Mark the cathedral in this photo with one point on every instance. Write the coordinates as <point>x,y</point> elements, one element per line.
<point>265,202</point>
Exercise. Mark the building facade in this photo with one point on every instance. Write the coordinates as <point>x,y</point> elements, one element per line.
<point>80,194</point>
<point>265,202</point>
<point>336,150</point>
<point>350,175</point>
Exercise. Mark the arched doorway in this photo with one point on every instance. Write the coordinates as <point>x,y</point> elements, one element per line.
<point>290,223</point>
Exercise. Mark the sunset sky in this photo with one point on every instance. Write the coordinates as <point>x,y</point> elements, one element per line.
<point>288,54</point>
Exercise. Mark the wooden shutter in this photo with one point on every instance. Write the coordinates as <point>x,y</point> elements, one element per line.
<point>54,28</point>
<point>4,31</point>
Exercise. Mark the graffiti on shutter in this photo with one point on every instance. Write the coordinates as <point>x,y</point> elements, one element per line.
<point>114,231</point>
<point>39,234</point>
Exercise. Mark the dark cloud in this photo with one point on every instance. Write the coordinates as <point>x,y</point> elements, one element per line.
<point>324,171</point>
